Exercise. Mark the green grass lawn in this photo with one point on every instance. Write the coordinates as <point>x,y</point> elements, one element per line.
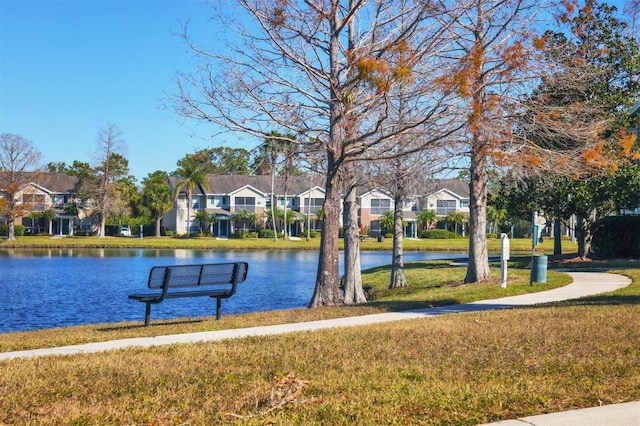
<point>456,369</point>
<point>518,245</point>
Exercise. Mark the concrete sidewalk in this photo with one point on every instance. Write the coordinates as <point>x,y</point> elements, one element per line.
<point>584,284</point>
<point>626,414</point>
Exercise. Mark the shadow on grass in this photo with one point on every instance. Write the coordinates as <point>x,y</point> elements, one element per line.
<point>612,300</point>
<point>430,264</point>
<point>600,300</point>
<point>397,306</point>
<point>140,326</point>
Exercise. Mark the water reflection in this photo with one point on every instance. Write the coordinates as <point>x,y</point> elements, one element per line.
<point>45,288</point>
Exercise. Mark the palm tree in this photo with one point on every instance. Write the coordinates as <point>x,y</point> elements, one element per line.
<point>48,216</point>
<point>455,219</point>
<point>156,196</point>
<point>212,220</point>
<point>193,177</point>
<point>288,217</point>
<point>277,145</point>
<point>203,219</point>
<point>387,222</point>
<point>244,217</point>
<point>426,218</point>
<point>495,216</point>
<point>35,219</point>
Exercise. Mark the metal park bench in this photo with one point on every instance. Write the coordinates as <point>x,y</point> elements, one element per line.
<point>217,280</point>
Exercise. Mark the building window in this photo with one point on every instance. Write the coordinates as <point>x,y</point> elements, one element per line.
<point>464,203</point>
<point>245,203</point>
<point>380,206</point>
<point>36,201</point>
<point>217,202</point>
<point>316,204</point>
<point>58,200</point>
<point>444,207</point>
<point>33,198</point>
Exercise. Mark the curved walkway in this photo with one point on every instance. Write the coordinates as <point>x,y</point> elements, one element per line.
<point>584,284</point>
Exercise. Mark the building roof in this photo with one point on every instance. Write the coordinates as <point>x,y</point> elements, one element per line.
<point>228,184</point>
<point>56,183</point>
<point>453,185</point>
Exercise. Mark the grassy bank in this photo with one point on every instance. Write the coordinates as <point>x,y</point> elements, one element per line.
<point>460,369</point>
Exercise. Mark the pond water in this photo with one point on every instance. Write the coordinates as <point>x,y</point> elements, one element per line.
<point>47,288</point>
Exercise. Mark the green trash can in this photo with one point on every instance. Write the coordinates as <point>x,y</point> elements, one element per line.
<point>539,269</point>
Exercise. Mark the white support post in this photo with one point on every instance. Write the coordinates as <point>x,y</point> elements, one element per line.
<point>504,256</point>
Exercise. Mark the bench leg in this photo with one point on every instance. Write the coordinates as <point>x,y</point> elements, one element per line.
<point>147,314</point>
<point>218,303</point>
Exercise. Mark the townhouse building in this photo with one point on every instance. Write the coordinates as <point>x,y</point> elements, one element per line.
<point>303,196</point>
<point>228,195</point>
<point>46,192</point>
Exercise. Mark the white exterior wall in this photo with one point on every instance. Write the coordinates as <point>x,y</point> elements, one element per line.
<point>247,192</point>
<point>432,201</point>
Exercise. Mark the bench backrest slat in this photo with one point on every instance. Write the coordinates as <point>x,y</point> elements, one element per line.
<point>197,275</point>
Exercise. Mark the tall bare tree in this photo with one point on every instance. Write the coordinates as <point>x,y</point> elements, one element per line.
<point>110,165</point>
<point>18,158</point>
<point>295,65</point>
<point>499,59</point>
<point>488,60</point>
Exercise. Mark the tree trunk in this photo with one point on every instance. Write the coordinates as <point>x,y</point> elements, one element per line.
<point>12,229</point>
<point>352,280</point>
<point>557,236</point>
<point>188,214</point>
<point>158,219</point>
<point>285,229</point>
<point>478,267</point>
<point>103,222</point>
<point>583,234</point>
<point>327,288</point>
<point>398,278</point>
<point>273,201</point>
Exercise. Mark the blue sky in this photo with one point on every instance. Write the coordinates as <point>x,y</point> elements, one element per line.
<point>70,67</point>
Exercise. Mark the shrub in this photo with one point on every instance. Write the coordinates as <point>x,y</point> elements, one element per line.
<point>438,234</point>
<point>244,234</point>
<point>265,233</point>
<point>616,237</point>
<point>18,230</point>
